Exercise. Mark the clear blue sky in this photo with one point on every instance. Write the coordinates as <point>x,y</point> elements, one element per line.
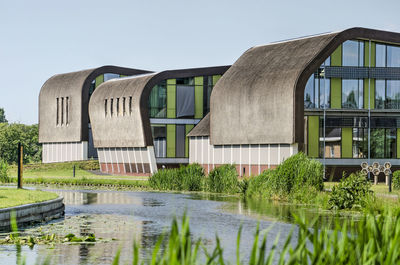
<point>44,37</point>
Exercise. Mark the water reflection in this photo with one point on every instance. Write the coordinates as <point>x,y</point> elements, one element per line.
<point>120,218</point>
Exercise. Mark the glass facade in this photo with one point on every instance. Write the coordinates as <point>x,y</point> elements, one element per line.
<point>349,86</point>
<point>175,106</point>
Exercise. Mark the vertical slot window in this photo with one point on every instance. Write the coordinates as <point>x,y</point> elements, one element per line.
<point>62,110</point>
<point>58,112</point>
<point>117,107</point>
<point>130,105</point>
<point>111,107</point>
<point>66,110</point>
<point>105,108</point>
<point>123,106</point>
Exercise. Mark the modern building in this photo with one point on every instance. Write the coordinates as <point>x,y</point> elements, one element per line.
<point>64,125</point>
<point>140,123</point>
<point>334,96</point>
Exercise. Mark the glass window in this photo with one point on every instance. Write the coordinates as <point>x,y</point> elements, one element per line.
<point>157,101</point>
<point>380,94</point>
<point>109,76</point>
<point>324,93</point>
<point>309,102</point>
<point>393,56</point>
<point>184,101</point>
<point>353,53</point>
<point>159,133</point>
<point>360,143</point>
<point>380,52</point>
<point>185,81</point>
<point>383,143</point>
<point>352,93</point>
<point>393,94</point>
<point>333,139</point>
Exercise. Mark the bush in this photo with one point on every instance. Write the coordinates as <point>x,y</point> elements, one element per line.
<point>4,178</point>
<point>223,179</point>
<point>190,178</point>
<point>396,180</point>
<point>258,185</point>
<point>352,192</point>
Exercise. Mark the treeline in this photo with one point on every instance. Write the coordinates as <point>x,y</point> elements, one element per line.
<point>12,134</point>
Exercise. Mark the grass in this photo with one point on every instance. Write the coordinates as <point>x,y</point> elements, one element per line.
<point>14,197</point>
<point>379,189</point>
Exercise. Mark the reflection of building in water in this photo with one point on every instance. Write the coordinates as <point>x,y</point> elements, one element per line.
<point>79,198</point>
<point>123,228</point>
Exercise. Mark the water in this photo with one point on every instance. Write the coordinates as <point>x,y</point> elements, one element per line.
<point>119,218</point>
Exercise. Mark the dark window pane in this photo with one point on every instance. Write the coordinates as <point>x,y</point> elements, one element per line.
<point>184,101</point>
<point>157,101</point>
<point>352,94</point>
<point>180,140</point>
<point>159,133</point>
<point>309,94</point>
<point>393,94</point>
<point>380,94</point>
<point>377,143</point>
<point>360,143</point>
<point>390,143</point>
<point>333,139</point>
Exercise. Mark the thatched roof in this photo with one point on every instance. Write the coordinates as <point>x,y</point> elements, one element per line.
<point>74,85</point>
<point>202,128</point>
<point>132,130</point>
<point>260,99</point>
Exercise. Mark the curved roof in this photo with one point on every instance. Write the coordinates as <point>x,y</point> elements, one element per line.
<point>132,129</point>
<point>76,86</point>
<point>202,128</point>
<point>260,99</point>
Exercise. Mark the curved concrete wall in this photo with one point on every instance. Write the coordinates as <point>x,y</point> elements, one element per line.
<point>35,212</point>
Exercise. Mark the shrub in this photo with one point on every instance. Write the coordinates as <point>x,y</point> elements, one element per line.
<point>223,179</point>
<point>396,180</point>
<point>352,191</point>
<point>4,178</point>
<point>258,185</point>
<point>190,178</point>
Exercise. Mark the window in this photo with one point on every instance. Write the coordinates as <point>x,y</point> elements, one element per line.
<point>317,93</point>
<point>352,93</point>
<point>117,112</point>
<point>383,143</point>
<point>393,56</point>
<point>111,107</point>
<point>159,132</point>
<point>360,142</point>
<point>130,105</point>
<point>105,108</point>
<point>353,53</point>
<point>387,94</point>
<point>58,112</point>
<point>62,111</point>
<point>380,55</point>
<point>158,101</point>
<point>66,110</point>
<point>184,101</point>
<point>333,140</point>
<point>109,76</point>
<point>123,106</point>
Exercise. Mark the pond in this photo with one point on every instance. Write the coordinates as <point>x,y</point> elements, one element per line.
<point>118,218</point>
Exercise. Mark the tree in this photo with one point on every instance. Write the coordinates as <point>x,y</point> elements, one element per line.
<point>2,116</point>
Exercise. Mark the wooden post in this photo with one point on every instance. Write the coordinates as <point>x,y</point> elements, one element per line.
<point>20,164</point>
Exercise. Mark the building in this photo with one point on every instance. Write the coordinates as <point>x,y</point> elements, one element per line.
<point>140,123</point>
<point>64,125</point>
<point>334,96</point>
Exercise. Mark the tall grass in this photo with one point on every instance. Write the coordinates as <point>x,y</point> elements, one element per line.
<point>4,177</point>
<point>223,179</point>
<point>371,240</point>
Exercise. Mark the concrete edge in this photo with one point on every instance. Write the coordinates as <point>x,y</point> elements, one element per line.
<point>33,212</point>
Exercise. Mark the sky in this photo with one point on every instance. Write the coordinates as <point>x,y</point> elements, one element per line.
<point>45,37</point>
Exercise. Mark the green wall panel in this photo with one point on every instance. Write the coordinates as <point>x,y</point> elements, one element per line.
<point>313,136</point>
<point>198,97</point>
<point>347,142</point>
<point>336,57</point>
<point>171,98</point>
<point>188,128</point>
<point>171,139</point>
<point>367,83</point>
<point>99,80</point>
<point>366,54</point>
<point>336,93</point>
<point>398,143</point>
<point>215,79</point>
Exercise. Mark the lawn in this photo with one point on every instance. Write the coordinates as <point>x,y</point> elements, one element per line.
<point>10,197</point>
<point>379,189</point>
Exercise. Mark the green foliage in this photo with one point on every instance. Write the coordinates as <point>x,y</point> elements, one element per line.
<point>352,192</point>
<point>190,178</point>
<point>12,134</point>
<point>372,240</point>
<point>2,116</point>
<point>297,179</point>
<point>4,178</point>
<point>396,180</point>
<point>223,179</point>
